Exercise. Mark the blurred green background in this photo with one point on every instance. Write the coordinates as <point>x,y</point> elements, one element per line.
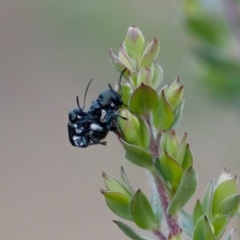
<point>49,50</point>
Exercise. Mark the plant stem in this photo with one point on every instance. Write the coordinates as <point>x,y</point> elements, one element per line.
<point>172,221</point>
<point>154,143</point>
<point>159,235</point>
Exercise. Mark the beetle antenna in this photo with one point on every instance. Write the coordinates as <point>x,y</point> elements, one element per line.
<point>86,93</point>
<point>78,103</point>
<point>119,82</point>
<point>120,79</point>
<point>112,90</point>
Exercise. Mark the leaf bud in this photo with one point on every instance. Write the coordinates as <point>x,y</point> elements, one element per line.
<point>134,43</point>
<point>134,129</point>
<point>150,53</point>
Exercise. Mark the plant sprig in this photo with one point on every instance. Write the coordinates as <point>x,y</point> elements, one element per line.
<point>151,142</point>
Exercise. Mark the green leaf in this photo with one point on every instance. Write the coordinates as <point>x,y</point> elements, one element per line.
<point>124,58</point>
<point>144,134</point>
<point>172,144</point>
<point>175,97</point>
<point>203,230</point>
<point>177,115</point>
<point>171,171</point>
<point>182,149</point>
<point>116,61</point>
<point>142,212</point>
<point>157,75</point>
<point>126,92</point>
<point>144,76</point>
<point>134,130</point>
<point>186,223</point>
<point>143,100</point>
<point>197,212</point>
<point>219,226</point>
<point>134,43</point>
<point>163,115</point>
<point>133,75</point>
<point>125,180</point>
<point>188,158</point>
<point>230,205</point>
<point>130,232</point>
<point>118,203</point>
<point>150,54</point>
<point>175,85</point>
<point>230,235</point>
<point>221,193</point>
<point>207,199</point>
<point>163,142</point>
<point>184,192</point>
<point>137,156</point>
<point>114,185</point>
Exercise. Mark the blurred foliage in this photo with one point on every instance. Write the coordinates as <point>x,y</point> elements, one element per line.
<point>215,28</point>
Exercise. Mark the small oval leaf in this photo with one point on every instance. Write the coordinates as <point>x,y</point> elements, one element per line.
<point>134,43</point>
<point>198,212</point>
<point>137,156</point>
<point>219,225</point>
<point>230,205</point>
<point>221,193</point>
<point>163,116</point>
<point>207,199</point>
<point>116,61</point>
<point>126,92</point>
<point>177,115</point>
<point>114,185</point>
<point>142,212</point>
<point>124,58</point>
<point>182,149</point>
<point>130,232</point>
<point>150,53</point>
<point>203,230</point>
<point>184,192</point>
<point>118,203</point>
<point>143,100</point>
<point>144,76</point>
<point>125,180</point>
<point>175,97</point>
<point>172,144</point>
<point>171,171</point>
<point>134,130</point>
<point>187,161</point>
<point>157,75</point>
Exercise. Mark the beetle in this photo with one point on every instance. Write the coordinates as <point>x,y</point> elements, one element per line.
<point>80,128</point>
<point>84,136</point>
<point>78,114</point>
<point>108,99</point>
<point>89,128</point>
<point>84,129</point>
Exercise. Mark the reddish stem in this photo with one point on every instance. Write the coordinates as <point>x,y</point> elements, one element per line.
<point>159,235</point>
<point>172,221</point>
